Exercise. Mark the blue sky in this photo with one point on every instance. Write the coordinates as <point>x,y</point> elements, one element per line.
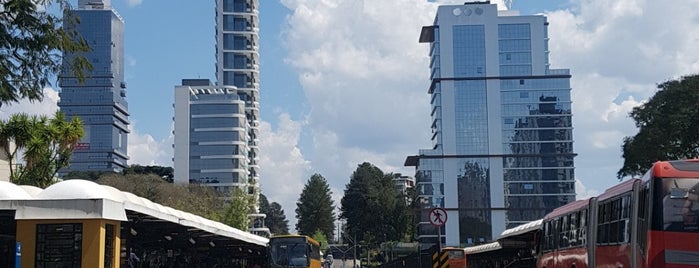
<point>345,81</point>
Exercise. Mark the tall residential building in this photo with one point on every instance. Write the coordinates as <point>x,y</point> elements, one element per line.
<point>217,126</point>
<point>99,100</point>
<point>502,143</point>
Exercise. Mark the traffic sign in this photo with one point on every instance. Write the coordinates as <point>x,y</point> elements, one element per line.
<point>438,216</point>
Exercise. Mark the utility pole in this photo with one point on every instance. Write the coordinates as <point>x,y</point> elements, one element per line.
<point>354,258</point>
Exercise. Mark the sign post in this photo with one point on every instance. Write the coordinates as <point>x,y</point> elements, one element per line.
<point>18,254</point>
<point>438,217</point>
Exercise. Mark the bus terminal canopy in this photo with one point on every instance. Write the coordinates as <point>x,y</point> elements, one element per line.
<point>146,223</point>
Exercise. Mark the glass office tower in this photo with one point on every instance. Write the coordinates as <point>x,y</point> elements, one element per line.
<point>502,140</point>
<point>100,100</point>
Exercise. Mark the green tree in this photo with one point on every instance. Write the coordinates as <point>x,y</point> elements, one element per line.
<point>263,203</point>
<point>276,220</point>
<point>315,208</point>
<point>375,213</point>
<point>193,198</point>
<point>236,212</point>
<point>166,173</point>
<point>321,238</point>
<point>85,175</point>
<point>668,127</point>
<point>44,144</point>
<point>33,42</point>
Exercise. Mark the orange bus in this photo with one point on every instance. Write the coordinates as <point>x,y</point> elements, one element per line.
<point>457,257</point>
<point>294,251</point>
<point>647,222</point>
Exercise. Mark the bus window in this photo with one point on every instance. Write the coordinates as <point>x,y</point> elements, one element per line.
<point>680,205</point>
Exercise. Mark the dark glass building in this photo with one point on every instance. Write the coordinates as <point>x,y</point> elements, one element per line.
<point>100,100</point>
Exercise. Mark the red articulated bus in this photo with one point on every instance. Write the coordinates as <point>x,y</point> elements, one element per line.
<point>647,222</point>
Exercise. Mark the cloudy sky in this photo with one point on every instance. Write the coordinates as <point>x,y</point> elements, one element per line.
<point>345,81</point>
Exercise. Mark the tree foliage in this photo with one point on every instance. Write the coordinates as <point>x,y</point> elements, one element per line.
<point>668,127</point>
<point>321,238</point>
<point>166,173</point>
<point>236,212</point>
<point>193,198</point>
<point>32,41</point>
<point>375,213</point>
<point>276,220</point>
<point>315,209</point>
<point>44,145</point>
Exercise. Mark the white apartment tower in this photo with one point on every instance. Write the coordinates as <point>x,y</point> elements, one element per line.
<point>217,126</point>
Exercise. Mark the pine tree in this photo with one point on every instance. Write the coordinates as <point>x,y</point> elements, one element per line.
<point>315,209</point>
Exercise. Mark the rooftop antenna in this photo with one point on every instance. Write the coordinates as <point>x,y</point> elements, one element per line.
<point>508,4</point>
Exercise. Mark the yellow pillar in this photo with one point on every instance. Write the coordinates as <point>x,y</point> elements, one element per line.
<point>93,235</point>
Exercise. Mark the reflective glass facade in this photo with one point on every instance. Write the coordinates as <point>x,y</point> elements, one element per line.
<point>502,140</point>
<point>100,100</point>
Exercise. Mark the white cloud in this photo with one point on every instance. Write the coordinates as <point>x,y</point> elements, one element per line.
<point>617,52</point>
<point>283,169</point>
<point>365,77</point>
<point>48,106</point>
<point>582,192</point>
<point>133,3</point>
<point>146,151</point>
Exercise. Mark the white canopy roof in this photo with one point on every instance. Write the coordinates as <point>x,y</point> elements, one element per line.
<point>524,228</point>
<point>482,248</point>
<point>82,199</point>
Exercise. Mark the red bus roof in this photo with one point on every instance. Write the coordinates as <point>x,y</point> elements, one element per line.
<point>676,169</point>
<point>618,189</point>
<point>565,209</point>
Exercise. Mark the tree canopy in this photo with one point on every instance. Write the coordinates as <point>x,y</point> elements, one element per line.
<point>315,209</point>
<point>374,212</point>
<point>166,173</point>
<point>44,145</point>
<point>193,198</point>
<point>667,124</point>
<point>236,212</point>
<point>276,220</point>
<point>32,41</point>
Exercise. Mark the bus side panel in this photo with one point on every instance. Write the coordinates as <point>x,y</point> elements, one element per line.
<point>572,257</point>
<point>546,260</point>
<point>613,256</point>
<point>661,241</point>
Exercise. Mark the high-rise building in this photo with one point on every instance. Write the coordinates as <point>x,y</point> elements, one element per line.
<point>217,126</point>
<point>237,64</point>
<point>211,141</point>
<point>502,143</point>
<point>99,100</point>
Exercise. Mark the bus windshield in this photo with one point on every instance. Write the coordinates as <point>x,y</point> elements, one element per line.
<point>679,200</point>
<point>289,255</point>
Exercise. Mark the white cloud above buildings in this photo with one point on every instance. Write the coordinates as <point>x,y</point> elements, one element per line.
<point>365,77</point>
